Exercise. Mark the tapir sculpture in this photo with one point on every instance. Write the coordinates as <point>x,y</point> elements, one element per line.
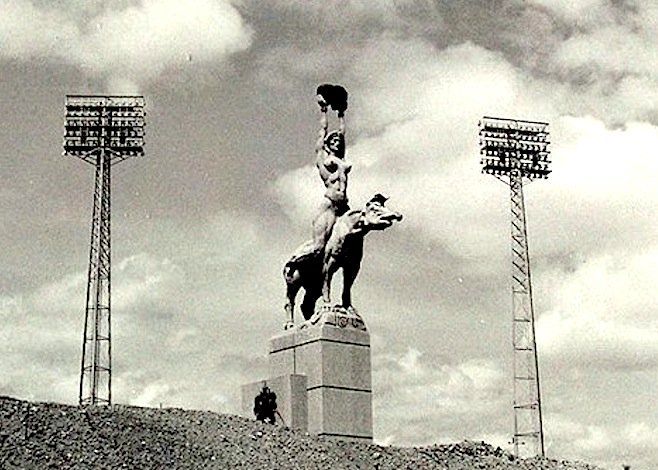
<point>344,249</point>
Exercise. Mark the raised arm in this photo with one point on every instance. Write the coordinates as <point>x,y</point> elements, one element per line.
<point>324,123</point>
<point>339,104</point>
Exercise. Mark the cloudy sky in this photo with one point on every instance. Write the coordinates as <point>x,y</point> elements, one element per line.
<point>204,222</point>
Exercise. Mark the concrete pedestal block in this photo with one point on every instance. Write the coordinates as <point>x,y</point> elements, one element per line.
<point>332,350</point>
<point>291,399</point>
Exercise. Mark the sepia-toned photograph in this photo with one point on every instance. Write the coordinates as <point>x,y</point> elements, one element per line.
<point>329,234</point>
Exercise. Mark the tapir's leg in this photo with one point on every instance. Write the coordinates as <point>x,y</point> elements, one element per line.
<point>308,304</point>
<point>349,275</point>
<point>329,268</point>
<point>293,284</point>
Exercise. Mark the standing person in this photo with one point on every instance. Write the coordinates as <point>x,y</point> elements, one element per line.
<point>265,405</point>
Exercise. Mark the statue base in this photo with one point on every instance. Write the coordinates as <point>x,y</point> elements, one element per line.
<point>332,349</point>
<point>330,355</point>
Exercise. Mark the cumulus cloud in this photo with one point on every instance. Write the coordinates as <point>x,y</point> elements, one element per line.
<point>576,12</point>
<point>633,443</point>
<point>601,175</point>
<point>171,318</point>
<point>127,45</point>
<point>142,277</point>
<point>418,142</point>
<point>412,133</point>
<point>607,55</point>
<point>356,18</point>
<point>181,377</point>
<point>151,395</point>
<point>604,314</point>
<point>427,161</point>
<point>42,329</point>
<point>614,47</point>
<point>599,298</point>
<point>417,400</point>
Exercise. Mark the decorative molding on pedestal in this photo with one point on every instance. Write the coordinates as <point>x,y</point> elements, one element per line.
<point>335,316</point>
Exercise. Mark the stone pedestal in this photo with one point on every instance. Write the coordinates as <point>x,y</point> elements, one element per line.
<point>332,350</point>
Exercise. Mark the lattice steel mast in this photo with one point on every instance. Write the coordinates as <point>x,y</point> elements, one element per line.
<point>516,152</point>
<point>103,131</point>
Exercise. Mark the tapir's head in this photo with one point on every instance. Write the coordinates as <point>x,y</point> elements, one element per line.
<point>376,216</point>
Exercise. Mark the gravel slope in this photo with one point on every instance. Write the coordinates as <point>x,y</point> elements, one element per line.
<point>48,435</point>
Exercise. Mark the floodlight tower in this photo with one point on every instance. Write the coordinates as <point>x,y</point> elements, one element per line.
<point>516,152</point>
<point>102,131</point>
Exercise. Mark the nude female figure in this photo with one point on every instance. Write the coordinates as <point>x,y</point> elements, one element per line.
<point>333,170</point>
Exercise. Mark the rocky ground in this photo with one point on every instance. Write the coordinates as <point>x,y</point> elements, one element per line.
<point>47,435</point>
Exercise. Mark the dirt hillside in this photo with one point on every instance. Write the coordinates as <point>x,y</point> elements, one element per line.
<point>48,435</point>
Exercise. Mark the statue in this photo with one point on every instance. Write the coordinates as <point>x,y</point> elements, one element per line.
<point>337,231</point>
<point>344,249</point>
